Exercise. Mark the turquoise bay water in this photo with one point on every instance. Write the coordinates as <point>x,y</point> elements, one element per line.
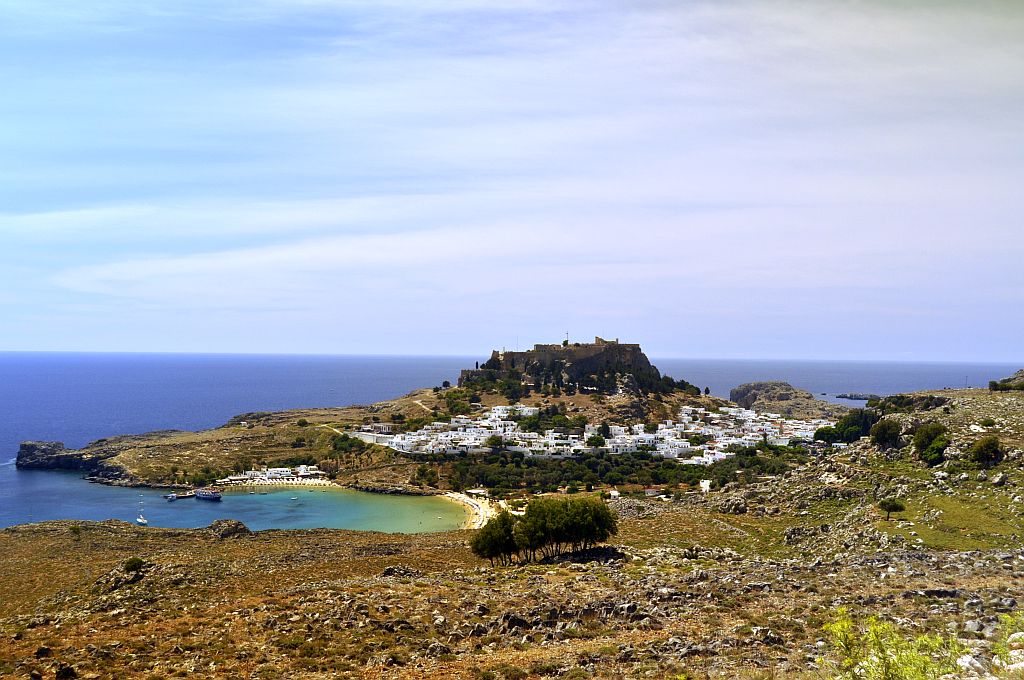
<point>46,495</point>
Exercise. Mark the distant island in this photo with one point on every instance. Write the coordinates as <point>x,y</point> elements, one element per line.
<point>858,396</point>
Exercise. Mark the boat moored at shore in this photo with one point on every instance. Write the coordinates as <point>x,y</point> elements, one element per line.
<point>210,494</point>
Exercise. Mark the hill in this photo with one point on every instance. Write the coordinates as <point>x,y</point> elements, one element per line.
<point>782,398</point>
<point>1014,382</point>
<point>602,367</point>
<point>311,436</point>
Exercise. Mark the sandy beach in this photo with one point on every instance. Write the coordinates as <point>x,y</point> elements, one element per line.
<point>278,482</point>
<point>482,509</point>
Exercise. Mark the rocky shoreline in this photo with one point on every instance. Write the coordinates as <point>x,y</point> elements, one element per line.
<point>390,489</point>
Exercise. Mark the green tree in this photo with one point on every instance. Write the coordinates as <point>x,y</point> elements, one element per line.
<point>595,441</point>
<point>496,540</point>
<point>495,441</point>
<point>987,451</point>
<point>886,434</point>
<point>889,506</point>
<point>826,434</point>
<point>551,526</point>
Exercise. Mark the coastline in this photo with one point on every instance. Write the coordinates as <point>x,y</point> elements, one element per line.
<point>480,509</point>
<point>279,482</point>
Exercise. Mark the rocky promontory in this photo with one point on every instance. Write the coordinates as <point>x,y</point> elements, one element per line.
<point>781,397</point>
<point>55,456</point>
<point>1014,382</point>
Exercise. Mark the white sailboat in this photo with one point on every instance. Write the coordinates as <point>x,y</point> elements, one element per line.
<point>141,519</point>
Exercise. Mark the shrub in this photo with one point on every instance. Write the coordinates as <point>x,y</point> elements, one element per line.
<point>886,434</point>
<point>987,422</point>
<point>878,650</point>
<point>889,506</point>
<point>302,422</point>
<point>987,451</point>
<point>133,564</point>
<point>931,441</point>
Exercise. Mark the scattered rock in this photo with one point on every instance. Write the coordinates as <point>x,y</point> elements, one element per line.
<point>229,528</point>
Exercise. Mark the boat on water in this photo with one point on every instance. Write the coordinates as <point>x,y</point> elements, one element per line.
<point>171,497</point>
<point>210,494</point>
<point>186,494</point>
<point>141,519</point>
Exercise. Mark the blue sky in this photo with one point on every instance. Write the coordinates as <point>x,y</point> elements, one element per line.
<point>741,179</point>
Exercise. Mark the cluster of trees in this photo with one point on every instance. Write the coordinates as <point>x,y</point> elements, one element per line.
<point>931,439</point>
<point>424,476</point>
<point>343,443</point>
<point>549,418</point>
<point>1005,385</point>
<point>507,471</point>
<point>666,385</point>
<point>457,401</point>
<point>906,403</point>
<point>851,427</point>
<point>549,527</point>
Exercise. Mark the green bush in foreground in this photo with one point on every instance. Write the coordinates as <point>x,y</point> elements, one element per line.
<point>877,650</point>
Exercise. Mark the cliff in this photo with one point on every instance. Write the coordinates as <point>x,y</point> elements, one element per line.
<point>783,398</point>
<point>599,366</point>
<point>54,456</point>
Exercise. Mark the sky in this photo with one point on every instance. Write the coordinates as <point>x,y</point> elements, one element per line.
<point>744,179</point>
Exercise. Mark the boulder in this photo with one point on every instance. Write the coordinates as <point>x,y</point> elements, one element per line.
<point>229,528</point>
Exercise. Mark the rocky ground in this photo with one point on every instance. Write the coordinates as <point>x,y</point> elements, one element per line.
<point>969,414</point>
<point>733,584</point>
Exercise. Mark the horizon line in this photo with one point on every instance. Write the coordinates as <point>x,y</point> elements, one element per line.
<point>467,355</point>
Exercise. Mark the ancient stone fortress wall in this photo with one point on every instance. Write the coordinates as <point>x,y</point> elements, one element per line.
<point>578,359</point>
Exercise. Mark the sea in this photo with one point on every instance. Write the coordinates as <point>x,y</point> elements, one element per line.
<point>76,398</point>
